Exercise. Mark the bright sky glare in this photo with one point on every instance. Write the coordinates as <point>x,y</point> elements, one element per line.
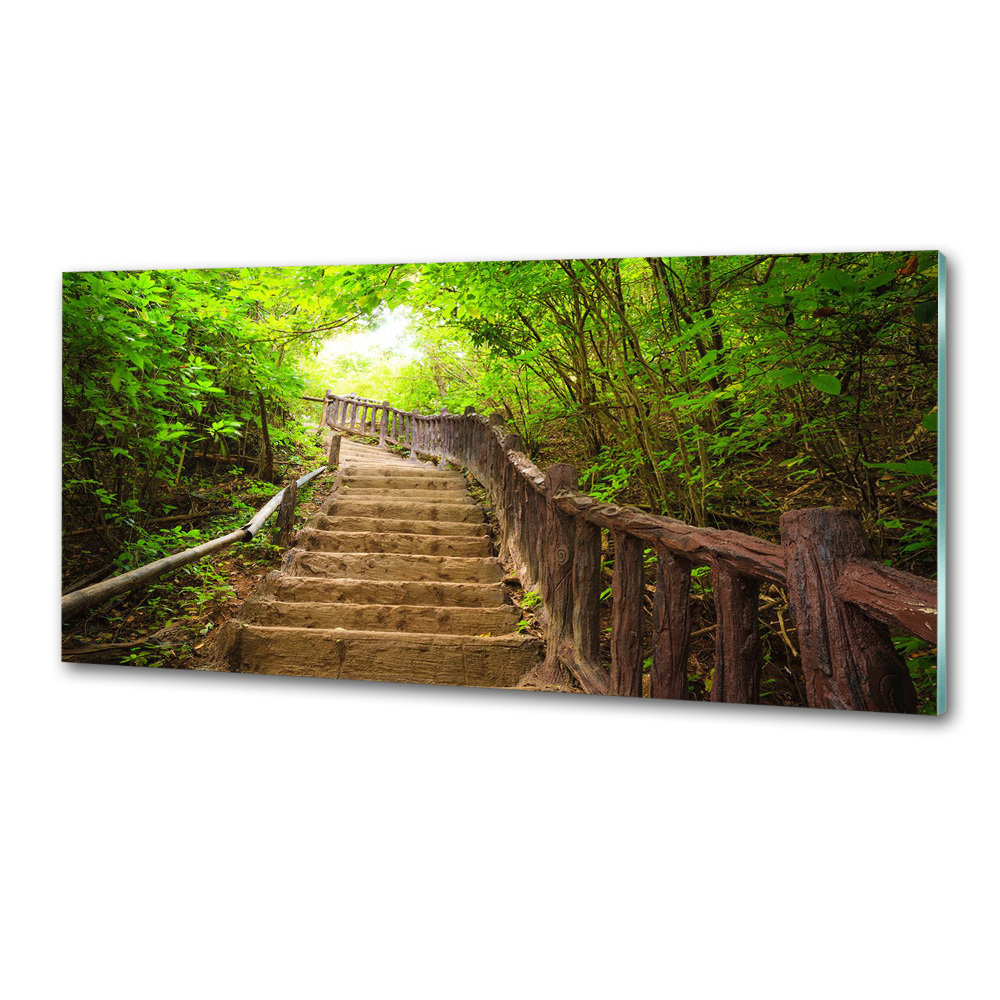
<point>393,335</point>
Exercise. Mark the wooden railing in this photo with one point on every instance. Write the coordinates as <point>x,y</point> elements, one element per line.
<point>283,501</point>
<point>844,602</point>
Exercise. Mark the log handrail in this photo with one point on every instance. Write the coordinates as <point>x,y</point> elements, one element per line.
<point>79,600</point>
<point>842,600</point>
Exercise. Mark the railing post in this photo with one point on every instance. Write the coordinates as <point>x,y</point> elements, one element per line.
<point>383,424</point>
<point>572,556</point>
<point>334,458</point>
<point>626,617</point>
<point>671,626</point>
<point>559,534</point>
<point>286,516</point>
<point>847,657</point>
<point>737,640</point>
<point>587,591</point>
<point>326,408</point>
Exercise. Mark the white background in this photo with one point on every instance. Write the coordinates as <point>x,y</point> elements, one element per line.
<point>178,835</point>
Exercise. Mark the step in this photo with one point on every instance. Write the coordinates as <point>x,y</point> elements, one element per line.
<point>465,529</point>
<point>316,540</point>
<point>402,471</point>
<point>396,496</point>
<point>430,510</point>
<point>392,566</point>
<point>345,590</point>
<point>401,657</point>
<point>375,464</point>
<point>383,617</point>
<point>432,484</point>
<point>413,467</point>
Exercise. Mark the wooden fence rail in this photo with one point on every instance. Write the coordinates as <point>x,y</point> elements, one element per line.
<point>79,600</point>
<point>843,601</point>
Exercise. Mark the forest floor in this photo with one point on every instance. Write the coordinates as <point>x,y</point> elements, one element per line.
<point>166,623</point>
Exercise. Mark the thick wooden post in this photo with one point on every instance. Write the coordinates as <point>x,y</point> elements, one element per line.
<point>671,626</point>
<point>505,502</point>
<point>737,641</point>
<point>354,414</point>
<point>559,534</point>
<point>285,528</point>
<point>326,410</point>
<point>848,658</point>
<point>334,459</point>
<point>585,614</point>
<point>383,425</point>
<point>587,591</point>
<point>626,616</point>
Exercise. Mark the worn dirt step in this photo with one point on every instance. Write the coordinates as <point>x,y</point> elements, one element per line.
<point>348,492</point>
<point>346,590</point>
<point>397,496</point>
<point>466,529</point>
<point>402,657</point>
<point>392,566</point>
<point>403,471</point>
<point>423,483</point>
<point>430,510</point>
<point>316,540</point>
<point>446,620</point>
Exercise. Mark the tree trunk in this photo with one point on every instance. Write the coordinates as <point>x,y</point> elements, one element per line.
<point>268,471</point>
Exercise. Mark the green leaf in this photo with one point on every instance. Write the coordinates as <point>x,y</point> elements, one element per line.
<point>786,377</point>
<point>826,383</point>
<point>911,468</point>
<point>930,422</point>
<point>838,281</point>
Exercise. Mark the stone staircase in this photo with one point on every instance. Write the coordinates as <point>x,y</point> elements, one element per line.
<point>393,580</point>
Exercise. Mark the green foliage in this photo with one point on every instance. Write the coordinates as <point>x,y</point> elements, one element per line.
<point>689,385</point>
<point>531,599</point>
<point>719,390</point>
<point>162,367</point>
<point>921,659</point>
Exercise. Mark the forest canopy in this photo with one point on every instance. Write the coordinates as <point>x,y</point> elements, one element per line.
<point>719,390</point>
